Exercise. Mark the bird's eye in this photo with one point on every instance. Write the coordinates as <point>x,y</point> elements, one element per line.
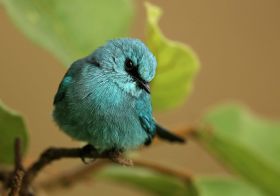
<point>129,65</point>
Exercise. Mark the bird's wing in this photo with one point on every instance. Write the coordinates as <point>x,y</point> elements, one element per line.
<point>149,127</point>
<point>144,110</point>
<point>62,89</point>
<point>167,135</point>
<point>67,80</point>
<point>144,113</point>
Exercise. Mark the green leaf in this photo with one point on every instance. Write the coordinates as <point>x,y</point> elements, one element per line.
<point>11,126</point>
<point>177,65</point>
<point>215,186</point>
<point>160,184</point>
<point>246,143</point>
<point>71,29</point>
<point>147,180</point>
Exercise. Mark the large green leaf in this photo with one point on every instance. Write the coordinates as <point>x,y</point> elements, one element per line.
<point>148,180</point>
<point>221,186</point>
<point>161,184</point>
<point>177,65</point>
<point>71,29</point>
<point>246,143</point>
<point>11,126</point>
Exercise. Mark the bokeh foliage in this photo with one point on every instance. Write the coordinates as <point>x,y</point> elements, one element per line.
<point>164,185</point>
<point>247,144</point>
<point>12,126</point>
<point>177,65</point>
<point>71,29</point>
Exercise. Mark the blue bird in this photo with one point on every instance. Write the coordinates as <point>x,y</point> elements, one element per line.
<point>104,98</point>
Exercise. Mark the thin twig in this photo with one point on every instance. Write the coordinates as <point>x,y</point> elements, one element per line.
<point>189,131</point>
<point>19,171</point>
<point>184,176</point>
<point>66,179</point>
<point>54,154</point>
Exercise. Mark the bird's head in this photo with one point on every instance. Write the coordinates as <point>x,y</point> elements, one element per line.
<point>128,63</point>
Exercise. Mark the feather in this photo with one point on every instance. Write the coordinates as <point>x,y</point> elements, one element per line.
<point>167,135</point>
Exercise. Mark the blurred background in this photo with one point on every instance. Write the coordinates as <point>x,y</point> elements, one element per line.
<point>238,46</point>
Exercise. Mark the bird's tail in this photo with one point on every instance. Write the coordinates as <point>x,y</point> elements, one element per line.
<point>167,135</point>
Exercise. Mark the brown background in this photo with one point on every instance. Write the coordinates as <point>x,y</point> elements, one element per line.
<point>238,45</point>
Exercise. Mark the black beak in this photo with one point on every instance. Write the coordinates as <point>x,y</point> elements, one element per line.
<point>144,85</point>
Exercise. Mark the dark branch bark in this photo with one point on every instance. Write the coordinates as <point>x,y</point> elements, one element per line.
<point>54,154</point>
<point>18,174</point>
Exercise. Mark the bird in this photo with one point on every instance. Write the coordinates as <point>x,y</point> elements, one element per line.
<point>104,99</point>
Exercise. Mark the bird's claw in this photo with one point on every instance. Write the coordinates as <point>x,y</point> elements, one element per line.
<point>117,156</point>
<point>85,151</point>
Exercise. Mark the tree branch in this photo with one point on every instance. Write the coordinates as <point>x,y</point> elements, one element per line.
<point>19,171</point>
<point>71,177</point>
<point>184,176</point>
<point>66,179</point>
<point>188,131</point>
<point>54,154</point>
<point>20,181</point>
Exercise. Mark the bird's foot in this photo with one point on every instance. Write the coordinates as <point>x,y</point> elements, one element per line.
<point>118,157</point>
<point>88,152</point>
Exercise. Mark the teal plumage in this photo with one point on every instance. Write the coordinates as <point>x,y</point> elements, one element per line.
<point>104,98</point>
